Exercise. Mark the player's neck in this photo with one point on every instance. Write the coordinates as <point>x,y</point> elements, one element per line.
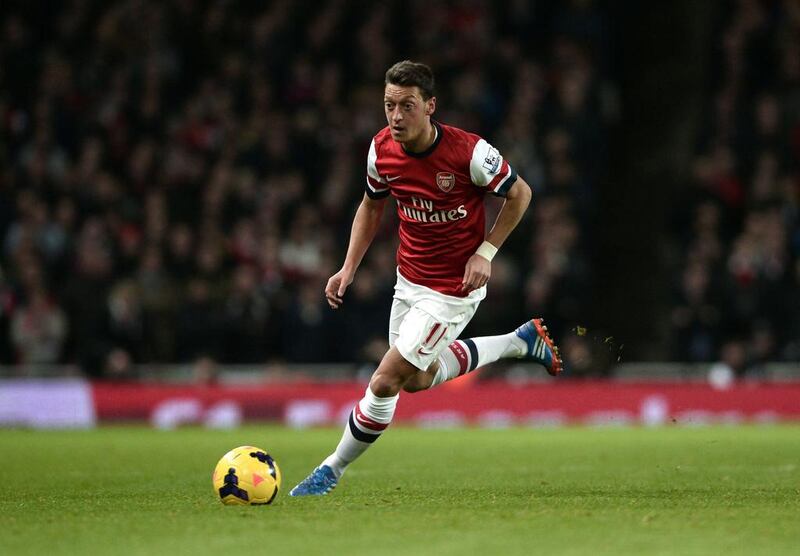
<point>423,142</point>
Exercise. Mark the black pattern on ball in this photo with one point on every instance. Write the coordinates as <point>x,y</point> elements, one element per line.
<point>231,486</point>
<point>264,457</point>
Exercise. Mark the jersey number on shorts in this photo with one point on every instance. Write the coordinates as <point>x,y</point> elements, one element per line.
<point>435,334</point>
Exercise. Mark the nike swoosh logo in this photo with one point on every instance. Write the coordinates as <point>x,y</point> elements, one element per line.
<point>420,351</point>
<point>361,420</point>
<point>388,179</point>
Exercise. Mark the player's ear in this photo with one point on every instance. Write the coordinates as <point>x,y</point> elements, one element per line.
<point>430,106</point>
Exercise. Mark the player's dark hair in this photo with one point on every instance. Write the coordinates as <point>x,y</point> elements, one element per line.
<point>412,74</point>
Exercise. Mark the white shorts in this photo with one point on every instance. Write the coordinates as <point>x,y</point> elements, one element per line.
<point>423,322</point>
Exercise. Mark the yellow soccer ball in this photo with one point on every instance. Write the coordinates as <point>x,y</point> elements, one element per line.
<point>246,475</point>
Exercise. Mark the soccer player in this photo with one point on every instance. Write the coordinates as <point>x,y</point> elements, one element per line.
<point>438,175</point>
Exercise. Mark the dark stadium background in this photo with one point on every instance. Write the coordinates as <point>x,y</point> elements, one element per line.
<point>177,183</point>
<point>177,179</point>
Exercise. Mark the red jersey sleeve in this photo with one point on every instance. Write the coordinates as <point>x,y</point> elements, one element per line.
<point>377,186</point>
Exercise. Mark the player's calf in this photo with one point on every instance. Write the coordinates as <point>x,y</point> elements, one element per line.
<point>422,380</point>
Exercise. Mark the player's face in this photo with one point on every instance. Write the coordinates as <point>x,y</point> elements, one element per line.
<point>407,114</point>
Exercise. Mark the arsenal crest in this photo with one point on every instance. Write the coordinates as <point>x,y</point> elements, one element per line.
<point>445,181</point>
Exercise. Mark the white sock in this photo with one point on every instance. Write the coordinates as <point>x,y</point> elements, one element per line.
<point>449,364</point>
<point>464,356</point>
<point>367,421</point>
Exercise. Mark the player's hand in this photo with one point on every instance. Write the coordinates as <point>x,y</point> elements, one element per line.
<point>337,285</point>
<point>476,273</point>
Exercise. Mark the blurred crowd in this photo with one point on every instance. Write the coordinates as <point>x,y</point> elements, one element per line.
<point>737,267</point>
<point>178,179</point>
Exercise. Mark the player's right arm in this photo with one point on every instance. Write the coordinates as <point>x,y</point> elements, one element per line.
<point>365,225</point>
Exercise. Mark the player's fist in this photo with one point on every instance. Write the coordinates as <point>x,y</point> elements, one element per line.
<point>337,285</point>
<point>476,273</point>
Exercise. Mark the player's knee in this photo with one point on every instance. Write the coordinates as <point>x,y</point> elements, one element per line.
<point>385,385</point>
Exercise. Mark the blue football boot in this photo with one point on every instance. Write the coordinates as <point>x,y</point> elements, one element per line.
<point>541,347</point>
<point>320,481</point>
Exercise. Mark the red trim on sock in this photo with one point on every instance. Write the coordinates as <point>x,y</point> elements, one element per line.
<point>461,355</point>
<point>366,422</point>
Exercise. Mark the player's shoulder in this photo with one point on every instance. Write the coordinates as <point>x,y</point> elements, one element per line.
<point>382,139</point>
<point>456,133</point>
<point>457,139</point>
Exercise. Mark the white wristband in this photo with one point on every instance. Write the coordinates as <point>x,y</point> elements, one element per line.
<point>487,251</point>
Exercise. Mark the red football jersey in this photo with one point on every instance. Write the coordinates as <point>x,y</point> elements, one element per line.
<point>439,196</point>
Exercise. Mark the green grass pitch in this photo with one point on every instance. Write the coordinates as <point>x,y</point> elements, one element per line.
<point>672,490</point>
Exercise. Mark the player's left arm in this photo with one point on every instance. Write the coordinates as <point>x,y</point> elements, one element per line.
<point>479,267</point>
